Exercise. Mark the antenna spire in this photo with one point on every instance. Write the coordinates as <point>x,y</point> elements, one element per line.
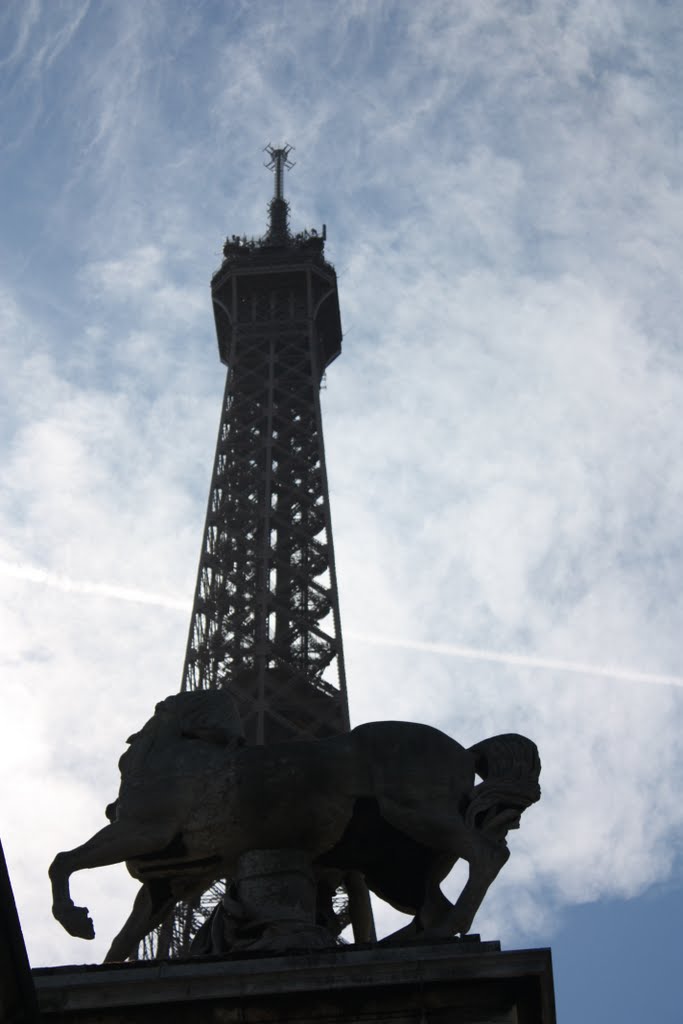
<point>278,229</point>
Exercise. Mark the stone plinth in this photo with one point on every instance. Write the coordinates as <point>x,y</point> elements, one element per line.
<point>453,982</point>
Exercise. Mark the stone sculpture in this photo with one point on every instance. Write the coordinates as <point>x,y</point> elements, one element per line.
<point>396,801</point>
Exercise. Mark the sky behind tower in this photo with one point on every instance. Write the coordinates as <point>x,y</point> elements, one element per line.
<point>502,188</point>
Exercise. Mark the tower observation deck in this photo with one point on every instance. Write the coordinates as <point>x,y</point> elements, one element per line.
<point>265,619</point>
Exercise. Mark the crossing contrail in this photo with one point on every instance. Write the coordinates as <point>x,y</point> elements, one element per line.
<point>59,581</point>
<point>523,660</point>
<point>70,586</point>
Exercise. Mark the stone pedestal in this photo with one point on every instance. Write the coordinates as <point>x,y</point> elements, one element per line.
<point>270,906</point>
<point>449,982</point>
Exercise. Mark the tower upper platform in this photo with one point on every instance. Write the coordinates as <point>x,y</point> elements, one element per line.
<point>257,273</point>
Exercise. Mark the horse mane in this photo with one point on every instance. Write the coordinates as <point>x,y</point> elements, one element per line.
<point>209,715</point>
<point>510,767</point>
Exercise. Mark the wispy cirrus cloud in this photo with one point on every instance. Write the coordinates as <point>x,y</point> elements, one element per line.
<point>502,190</point>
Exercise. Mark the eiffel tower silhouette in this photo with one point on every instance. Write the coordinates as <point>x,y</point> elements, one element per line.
<point>265,620</point>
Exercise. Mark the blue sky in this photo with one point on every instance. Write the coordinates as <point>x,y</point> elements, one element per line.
<point>502,188</point>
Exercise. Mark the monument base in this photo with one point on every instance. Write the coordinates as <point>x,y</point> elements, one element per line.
<point>453,981</point>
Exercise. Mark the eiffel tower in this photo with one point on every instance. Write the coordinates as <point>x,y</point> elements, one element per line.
<point>265,620</point>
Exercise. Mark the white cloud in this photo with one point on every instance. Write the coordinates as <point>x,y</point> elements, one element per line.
<point>503,196</point>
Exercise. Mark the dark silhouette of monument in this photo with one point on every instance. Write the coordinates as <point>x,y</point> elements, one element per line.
<point>251,772</point>
<point>265,619</point>
<point>397,803</point>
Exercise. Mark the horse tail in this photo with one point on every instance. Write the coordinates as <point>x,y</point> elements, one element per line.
<point>510,767</point>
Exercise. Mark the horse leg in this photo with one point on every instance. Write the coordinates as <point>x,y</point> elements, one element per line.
<point>483,872</point>
<point>152,903</point>
<point>360,908</point>
<point>119,841</point>
<point>442,918</point>
<point>434,906</point>
<point>437,917</point>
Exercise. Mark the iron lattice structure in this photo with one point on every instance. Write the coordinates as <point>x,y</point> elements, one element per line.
<point>265,620</point>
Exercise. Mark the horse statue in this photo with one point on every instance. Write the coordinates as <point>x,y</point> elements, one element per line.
<point>397,802</point>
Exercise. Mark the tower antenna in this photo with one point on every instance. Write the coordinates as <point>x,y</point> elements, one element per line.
<point>278,229</point>
<point>279,160</point>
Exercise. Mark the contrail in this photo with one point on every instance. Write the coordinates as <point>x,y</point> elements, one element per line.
<point>70,586</point>
<point>523,660</point>
<point>60,582</point>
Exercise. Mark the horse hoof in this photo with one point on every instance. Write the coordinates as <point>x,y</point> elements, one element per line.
<point>77,922</point>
